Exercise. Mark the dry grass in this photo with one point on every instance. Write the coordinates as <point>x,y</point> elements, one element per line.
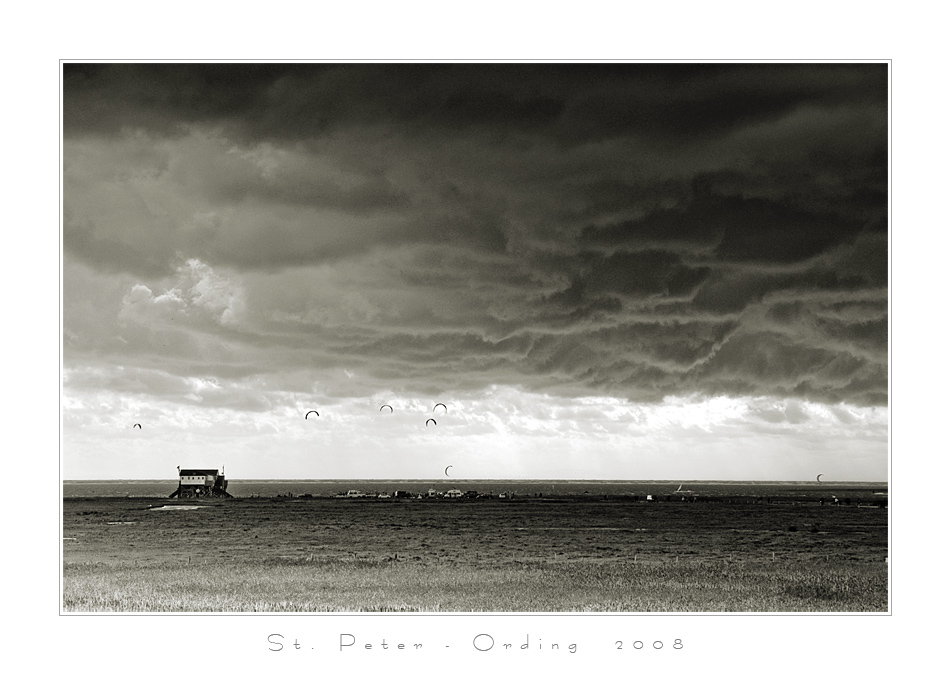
<point>358,586</point>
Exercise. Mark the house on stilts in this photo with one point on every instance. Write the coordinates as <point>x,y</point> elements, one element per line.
<point>200,483</point>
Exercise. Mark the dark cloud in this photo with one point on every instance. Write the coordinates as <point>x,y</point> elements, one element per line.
<point>577,102</point>
<point>731,229</point>
<point>640,230</point>
<point>757,363</point>
<point>631,275</point>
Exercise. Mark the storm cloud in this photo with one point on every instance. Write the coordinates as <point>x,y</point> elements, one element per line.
<point>644,232</point>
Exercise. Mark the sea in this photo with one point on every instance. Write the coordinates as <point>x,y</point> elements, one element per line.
<point>528,488</point>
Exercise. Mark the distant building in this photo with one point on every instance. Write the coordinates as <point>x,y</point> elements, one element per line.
<point>200,483</point>
<point>453,493</point>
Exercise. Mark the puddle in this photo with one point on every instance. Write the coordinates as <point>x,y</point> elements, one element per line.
<point>582,527</point>
<point>176,507</point>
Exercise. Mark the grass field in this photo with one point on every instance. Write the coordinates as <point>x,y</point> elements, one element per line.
<point>325,555</point>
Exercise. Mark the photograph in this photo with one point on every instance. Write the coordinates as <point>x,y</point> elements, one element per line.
<point>475,337</point>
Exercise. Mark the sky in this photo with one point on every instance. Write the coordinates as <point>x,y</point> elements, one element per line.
<point>615,271</point>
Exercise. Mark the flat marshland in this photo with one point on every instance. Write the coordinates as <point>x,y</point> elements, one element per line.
<point>471,555</point>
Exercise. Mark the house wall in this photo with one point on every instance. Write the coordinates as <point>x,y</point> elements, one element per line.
<point>196,480</point>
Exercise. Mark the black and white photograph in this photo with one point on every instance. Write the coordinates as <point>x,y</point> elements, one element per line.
<point>475,337</point>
